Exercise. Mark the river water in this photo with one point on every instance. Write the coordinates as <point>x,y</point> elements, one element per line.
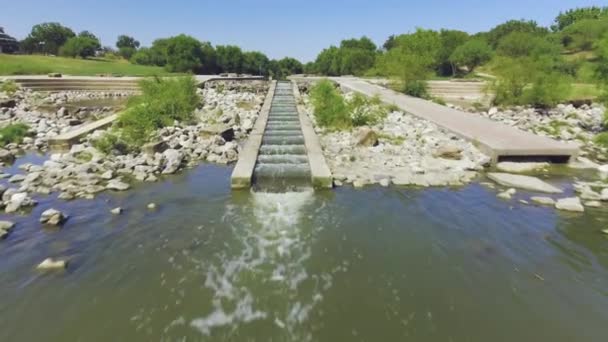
<point>377,264</point>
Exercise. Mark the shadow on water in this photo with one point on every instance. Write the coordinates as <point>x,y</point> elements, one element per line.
<point>345,265</point>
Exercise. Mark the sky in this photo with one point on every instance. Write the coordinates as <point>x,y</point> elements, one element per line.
<point>299,29</point>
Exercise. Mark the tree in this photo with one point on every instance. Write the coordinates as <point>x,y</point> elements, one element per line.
<point>327,62</point>
<point>208,60</point>
<point>125,41</point>
<point>389,43</point>
<point>412,60</point>
<point>229,58</point>
<point>255,63</point>
<point>184,54</point>
<point>472,54</point>
<point>450,40</point>
<point>521,44</point>
<point>291,66</point>
<point>582,34</point>
<point>126,52</point>
<point>496,34</point>
<point>572,16</point>
<point>80,46</point>
<point>47,38</point>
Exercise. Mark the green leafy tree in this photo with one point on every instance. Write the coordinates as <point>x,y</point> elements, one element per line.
<point>84,45</point>
<point>47,38</point>
<point>125,41</point>
<point>229,58</point>
<point>255,63</point>
<point>184,54</point>
<point>330,109</point>
<point>520,44</point>
<point>127,52</point>
<point>472,54</point>
<point>450,40</point>
<point>582,34</point>
<point>389,43</point>
<point>328,62</point>
<point>495,35</point>
<point>413,59</point>
<point>572,16</point>
<point>209,59</point>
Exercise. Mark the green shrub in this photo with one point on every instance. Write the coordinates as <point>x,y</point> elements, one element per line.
<point>365,111</point>
<point>329,106</point>
<point>162,102</point>
<point>416,89</point>
<point>110,143</point>
<point>13,133</point>
<point>9,86</point>
<point>548,90</point>
<point>79,46</point>
<point>601,139</point>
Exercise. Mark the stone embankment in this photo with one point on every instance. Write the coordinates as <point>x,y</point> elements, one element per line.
<point>402,150</point>
<point>224,118</point>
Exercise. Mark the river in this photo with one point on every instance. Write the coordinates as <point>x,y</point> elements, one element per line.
<point>372,264</point>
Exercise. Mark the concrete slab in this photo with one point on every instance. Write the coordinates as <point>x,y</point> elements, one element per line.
<point>497,140</point>
<point>243,171</point>
<point>321,176</point>
<point>67,139</point>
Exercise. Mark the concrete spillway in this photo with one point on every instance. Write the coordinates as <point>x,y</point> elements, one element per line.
<point>283,150</point>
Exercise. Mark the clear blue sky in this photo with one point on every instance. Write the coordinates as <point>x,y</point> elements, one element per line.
<point>278,28</point>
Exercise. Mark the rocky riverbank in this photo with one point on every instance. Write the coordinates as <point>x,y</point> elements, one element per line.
<point>402,150</point>
<point>225,117</point>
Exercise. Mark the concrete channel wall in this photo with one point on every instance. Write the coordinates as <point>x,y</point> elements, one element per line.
<point>242,174</point>
<point>321,176</point>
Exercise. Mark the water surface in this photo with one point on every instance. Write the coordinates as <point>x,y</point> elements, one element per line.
<point>346,265</point>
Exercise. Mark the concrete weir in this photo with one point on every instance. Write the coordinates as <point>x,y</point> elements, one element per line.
<point>499,141</point>
<point>283,149</point>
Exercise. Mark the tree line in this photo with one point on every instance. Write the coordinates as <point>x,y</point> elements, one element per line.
<point>180,54</point>
<point>532,64</point>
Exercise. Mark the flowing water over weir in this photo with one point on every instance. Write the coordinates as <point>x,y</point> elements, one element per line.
<point>282,162</point>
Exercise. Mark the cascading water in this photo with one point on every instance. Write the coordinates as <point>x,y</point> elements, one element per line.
<point>273,248</point>
<point>282,162</point>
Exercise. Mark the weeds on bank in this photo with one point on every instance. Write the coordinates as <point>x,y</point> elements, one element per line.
<point>333,111</point>
<point>162,102</point>
<point>9,86</point>
<point>13,133</point>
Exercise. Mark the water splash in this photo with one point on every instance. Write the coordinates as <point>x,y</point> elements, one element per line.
<point>273,249</point>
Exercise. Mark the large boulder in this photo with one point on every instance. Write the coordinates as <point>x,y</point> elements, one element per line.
<point>10,103</point>
<point>448,151</point>
<point>226,132</point>
<point>52,217</point>
<point>366,137</point>
<point>523,182</point>
<point>570,204</point>
<point>5,228</point>
<point>174,161</point>
<point>6,156</point>
<point>117,185</point>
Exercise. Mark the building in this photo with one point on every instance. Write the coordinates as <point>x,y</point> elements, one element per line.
<point>8,44</point>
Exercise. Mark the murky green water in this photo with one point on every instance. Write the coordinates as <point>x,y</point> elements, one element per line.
<point>348,265</point>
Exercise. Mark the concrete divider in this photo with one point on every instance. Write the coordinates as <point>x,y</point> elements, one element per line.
<point>65,140</point>
<point>243,171</point>
<point>320,173</point>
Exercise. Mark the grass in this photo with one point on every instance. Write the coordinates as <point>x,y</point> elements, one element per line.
<point>584,91</point>
<point>13,133</point>
<point>42,65</point>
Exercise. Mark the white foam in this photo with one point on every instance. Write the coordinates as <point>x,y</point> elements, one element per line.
<point>274,248</point>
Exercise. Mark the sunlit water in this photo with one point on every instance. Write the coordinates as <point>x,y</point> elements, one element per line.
<point>345,265</point>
